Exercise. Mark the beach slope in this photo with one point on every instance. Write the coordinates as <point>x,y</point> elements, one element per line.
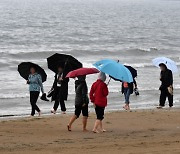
<point>139,132</point>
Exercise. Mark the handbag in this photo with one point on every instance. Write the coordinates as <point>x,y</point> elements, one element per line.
<point>136,91</point>
<point>43,97</point>
<point>170,90</point>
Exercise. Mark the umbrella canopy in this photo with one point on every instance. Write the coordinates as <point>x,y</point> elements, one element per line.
<point>132,70</point>
<point>67,62</point>
<point>114,69</point>
<point>168,62</point>
<point>82,72</point>
<point>24,70</point>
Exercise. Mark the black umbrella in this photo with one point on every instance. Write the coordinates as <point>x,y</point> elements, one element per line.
<point>132,70</point>
<point>67,62</point>
<point>24,70</point>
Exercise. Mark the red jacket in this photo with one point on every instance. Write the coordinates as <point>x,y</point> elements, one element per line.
<point>98,94</point>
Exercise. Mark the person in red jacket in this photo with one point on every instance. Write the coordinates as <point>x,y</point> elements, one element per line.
<point>98,95</point>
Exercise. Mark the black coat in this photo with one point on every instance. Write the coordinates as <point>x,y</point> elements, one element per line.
<point>166,78</point>
<point>81,93</point>
<point>130,85</point>
<point>62,91</point>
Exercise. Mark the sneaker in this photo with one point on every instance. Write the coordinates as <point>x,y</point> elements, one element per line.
<point>53,111</point>
<point>159,107</point>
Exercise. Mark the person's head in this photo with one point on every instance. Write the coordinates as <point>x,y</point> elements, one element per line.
<point>59,69</point>
<point>163,67</point>
<point>81,78</point>
<point>32,69</point>
<point>102,76</point>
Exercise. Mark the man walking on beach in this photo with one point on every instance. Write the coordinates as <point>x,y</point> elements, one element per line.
<point>166,88</point>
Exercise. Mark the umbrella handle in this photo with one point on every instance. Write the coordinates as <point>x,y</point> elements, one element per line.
<point>109,81</point>
<point>64,67</point>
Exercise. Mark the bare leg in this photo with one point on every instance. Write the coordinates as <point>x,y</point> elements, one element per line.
<point>84,121</point>
<point>96,125</point>
<point>128,107</point>
<point>101,127</point>
<point>39,113</point>
<point>73,118</point>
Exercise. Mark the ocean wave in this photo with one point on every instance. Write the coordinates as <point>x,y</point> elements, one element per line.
<point>140,65</point>
<point>112,89</point>
<point>152,49</point>
<point>13,96</point>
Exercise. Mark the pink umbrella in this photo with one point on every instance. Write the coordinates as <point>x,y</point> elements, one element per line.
<point>81,72</point>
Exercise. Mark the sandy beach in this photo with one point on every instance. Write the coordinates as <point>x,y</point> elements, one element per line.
<point>136,132</point>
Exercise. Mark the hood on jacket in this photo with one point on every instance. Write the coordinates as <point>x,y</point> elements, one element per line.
<point>102,76</point>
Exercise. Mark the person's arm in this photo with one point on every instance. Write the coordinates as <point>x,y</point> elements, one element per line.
<point>40,83</point>
<point>105,90</point>
<point>55,81</point>
<point>65,80</point>
<point>84,93</point>
<point>160,78</point>
<point>91,94</point>
<point>171,78</point>
<point>28,80</point>
<point>135,83</point>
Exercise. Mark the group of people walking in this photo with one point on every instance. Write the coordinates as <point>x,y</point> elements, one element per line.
<point>98,94</point>
<point>59,92</point>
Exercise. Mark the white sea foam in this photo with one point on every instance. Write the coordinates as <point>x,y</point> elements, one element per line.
<point>90,34</point>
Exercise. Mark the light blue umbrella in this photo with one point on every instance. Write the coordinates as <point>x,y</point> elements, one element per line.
<point>168,62</point>
<point>114,69</point>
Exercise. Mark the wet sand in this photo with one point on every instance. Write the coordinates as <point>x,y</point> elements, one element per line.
<point>136,132</point>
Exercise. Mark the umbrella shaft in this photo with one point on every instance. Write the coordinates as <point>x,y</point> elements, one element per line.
<point>109,81</point>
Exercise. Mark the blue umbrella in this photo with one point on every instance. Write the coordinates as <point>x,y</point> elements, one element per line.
<point>168,62</point>
<point>114,69</point>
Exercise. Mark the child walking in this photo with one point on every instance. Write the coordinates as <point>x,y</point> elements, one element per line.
<point>98,96</point>
<point>81,102</point>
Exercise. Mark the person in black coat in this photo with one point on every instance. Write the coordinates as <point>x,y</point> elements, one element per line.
<point>166,88</point>
<point>81,102</point>
<point>127,90</point>
<point>60,90</point>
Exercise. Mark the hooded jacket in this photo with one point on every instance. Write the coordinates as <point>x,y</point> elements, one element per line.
<point>99,92</point>
<point>81,93</point>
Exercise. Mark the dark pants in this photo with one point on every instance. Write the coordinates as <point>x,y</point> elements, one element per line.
<point>59,100</point>
<point>62,104</point>
<point>83,109</point>
<point>163,96</point>
<point>33,100</point>
<point>100,112</point>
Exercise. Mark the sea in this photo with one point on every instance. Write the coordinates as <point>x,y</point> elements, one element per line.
<point>131,31</point>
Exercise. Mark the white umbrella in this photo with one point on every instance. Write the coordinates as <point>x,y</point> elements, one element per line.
<point>168,62</point>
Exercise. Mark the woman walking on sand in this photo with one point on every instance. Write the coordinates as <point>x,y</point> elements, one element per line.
<point>127,90</point>
<point>81,102</point>
<point>98,96</point>
<point>166,88</point>
<point>60,90</point>
<point>35,85</point>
